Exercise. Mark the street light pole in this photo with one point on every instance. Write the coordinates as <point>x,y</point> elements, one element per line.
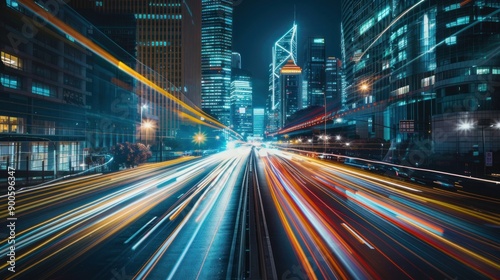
<point>143,106</point>
<point>324,97</point>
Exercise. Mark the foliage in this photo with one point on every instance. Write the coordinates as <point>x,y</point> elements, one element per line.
<point>130,155</point>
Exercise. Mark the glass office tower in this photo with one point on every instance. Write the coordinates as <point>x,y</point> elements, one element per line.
<point>216,52</point>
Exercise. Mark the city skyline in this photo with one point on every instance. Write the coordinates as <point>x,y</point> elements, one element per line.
<point>254,41</point>
<point>131,146</point>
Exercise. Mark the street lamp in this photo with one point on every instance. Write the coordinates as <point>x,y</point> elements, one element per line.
<point>199,138</point>
<point>147,126</point>
<point>143,107</point>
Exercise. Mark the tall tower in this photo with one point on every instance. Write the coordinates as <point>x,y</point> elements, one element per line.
<point>284,49</point>
<point>291,90</point>
<point>168,49</point>
<point>333,74</point>
<point>241,102</point>
<point>315,71</point>
<point>216,45</point>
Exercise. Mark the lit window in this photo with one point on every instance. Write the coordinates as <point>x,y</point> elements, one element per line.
<point>458,21</point>
<point>13,4</point>
<point>11,124</point>
<point>425,82</point>
<point>401,90</point>
<point>482,87</point>
<point>451,40</point>
<point>9,81</point>
<point>367,25</point>
<point>483,70</point>
<point>495,71</point>
<point>452,7</point>
<point>12,61</point>
<point>382,14</point>
<point>42,89</point>
<point>402,43</point>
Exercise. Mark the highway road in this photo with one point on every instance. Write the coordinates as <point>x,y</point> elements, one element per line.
<point>120,225</point>
<point>254,214</point>
<point>350,224</point>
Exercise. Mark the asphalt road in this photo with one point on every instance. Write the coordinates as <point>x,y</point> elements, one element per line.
<point>189,219</point>
<point>347,223</point>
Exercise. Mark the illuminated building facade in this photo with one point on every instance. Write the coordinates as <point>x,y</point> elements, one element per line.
<point>291,90</point>
<point>216,54</point>
<point>284,49</point>
<point>168,49</point>
<point>431,62</point>
<point>467,77</point>
<point>43,96</point>
<point>259,122</point>
<point>241,102</point>
<point>314,71</point>
<point>333,83</point>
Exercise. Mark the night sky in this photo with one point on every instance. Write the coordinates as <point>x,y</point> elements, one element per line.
<point>257,24</point>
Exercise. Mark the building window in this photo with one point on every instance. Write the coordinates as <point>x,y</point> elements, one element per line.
<point>39,155</point>
<point>382,14</point>
<point>13,4</point>
<point>42,89</point>
<point>452,7</point>
<point>482,87</point>
<point>495,71</point>
<point>451,40</point>
<point>401,90</point>
<point>11,124</point>
<point>43,127</point>
<point>9,81</point>
<point>12,61</point>
<point>365,26</point>
<point>429,81</point>
<point>458,21</point>
<point>483,70</point>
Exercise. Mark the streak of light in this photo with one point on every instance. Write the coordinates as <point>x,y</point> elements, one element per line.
<point>356,235</point>
<point>141,229</point>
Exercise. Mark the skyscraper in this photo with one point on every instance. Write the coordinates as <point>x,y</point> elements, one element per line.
<point>241,102</point>
<point>236,60</point>
<point>216,51</point>
<point>284,49</point>
<point>466,79</point>
<point>168,49</point>
<point>258,122</point>
<point>315,71</point>
<point>333,71</point>
<point>291,90</point>
<point>433,64</point>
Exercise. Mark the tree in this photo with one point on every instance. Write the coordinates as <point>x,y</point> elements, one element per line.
<point>130,155</point>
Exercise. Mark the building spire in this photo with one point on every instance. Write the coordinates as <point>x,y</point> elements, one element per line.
<point>294,13</point>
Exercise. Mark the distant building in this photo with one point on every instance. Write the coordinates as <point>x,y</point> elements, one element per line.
<point>291,90</point>
<point>216,54</point>
<point>241,102</point>
<point>284,49</point>
<point>333,83</point>
<point>236,60</point>
<point>315,71</point>
<point>258,122</point>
